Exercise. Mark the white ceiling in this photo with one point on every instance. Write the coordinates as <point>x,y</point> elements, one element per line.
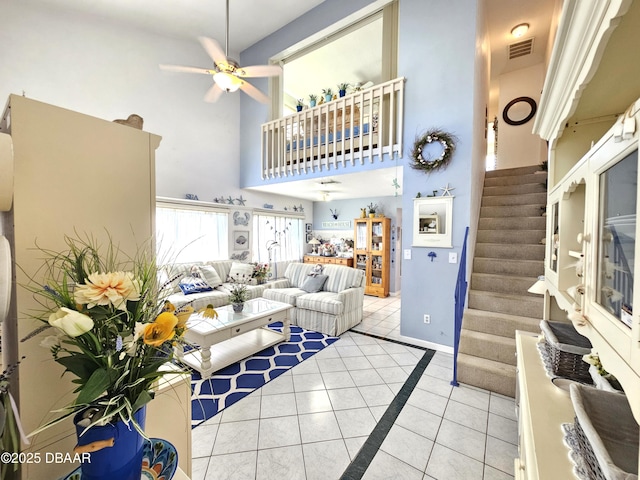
<point>249,20</point>
<point>370,183</point>
<point>253,20</point>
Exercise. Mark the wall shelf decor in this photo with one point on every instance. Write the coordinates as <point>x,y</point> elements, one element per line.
<point>432,221</point>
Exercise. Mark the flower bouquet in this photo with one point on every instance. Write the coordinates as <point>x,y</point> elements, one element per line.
<point>113,330</point>
<point>260,272</point>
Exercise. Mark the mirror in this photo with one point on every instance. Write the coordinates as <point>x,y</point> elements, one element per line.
<point>432,222</point>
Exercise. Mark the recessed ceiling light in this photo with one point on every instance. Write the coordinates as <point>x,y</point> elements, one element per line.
<point>519,30</point>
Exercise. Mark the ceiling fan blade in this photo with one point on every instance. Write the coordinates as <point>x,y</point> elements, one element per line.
<point>213,49</point>
<point>254,92</point>
<point>260,71</point>
<point>213,94</point>
<point>180,68</point>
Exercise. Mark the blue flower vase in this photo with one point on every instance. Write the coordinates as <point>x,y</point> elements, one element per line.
<point>328,98</point>
<point>312,103</point>
<point>124,459</point>
<point>342,93</point>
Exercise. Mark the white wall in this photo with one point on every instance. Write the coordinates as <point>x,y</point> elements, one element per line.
<point>90,65</point>
<point>517,146</point>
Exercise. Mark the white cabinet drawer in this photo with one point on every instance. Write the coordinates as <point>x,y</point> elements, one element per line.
<point>252,325</point>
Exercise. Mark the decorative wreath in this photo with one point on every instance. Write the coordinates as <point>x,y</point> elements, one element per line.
<point>430,163</point>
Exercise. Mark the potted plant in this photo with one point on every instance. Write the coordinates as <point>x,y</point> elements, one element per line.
<point>373,207</point>
<point>239,293</point>
<point>342,89</point>
<point>328,94</point>
<point>299,105</point>
<point>113,331</point>
<point>312,100</point>
<point>260,272</point>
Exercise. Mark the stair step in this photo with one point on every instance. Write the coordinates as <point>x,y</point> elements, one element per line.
<point>511,211</point>
<point>506,251</point>
<point>507,172</point>
<point>487,374</point>
<point>496,323</point>
<point>525,268</point>
<point>539,198</point>
<point>513,223</point>
<point>514,189</point>
<point>532,237</point>
<point>532,178</point>
<point>491,347</point>
<point>507,303</point>
<point>500,283</point>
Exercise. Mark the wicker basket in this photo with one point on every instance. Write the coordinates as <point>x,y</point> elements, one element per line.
<point>564,348</point>
<point>607,433</point>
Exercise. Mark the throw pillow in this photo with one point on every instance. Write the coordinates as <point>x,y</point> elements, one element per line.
<point>314,284</point>
<point>190,285</point>
<point>210,275</point>
<point>240,272</point>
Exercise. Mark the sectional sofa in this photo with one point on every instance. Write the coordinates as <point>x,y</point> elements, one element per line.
<point>219,295</point>
<point>334,309</point>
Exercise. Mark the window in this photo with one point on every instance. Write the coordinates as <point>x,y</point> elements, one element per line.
<point>277,238</point>
<point>191,233</point>
<point>361,49</point>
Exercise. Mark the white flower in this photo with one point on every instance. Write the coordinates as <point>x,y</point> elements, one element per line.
<point>71,322</point>
<point>112,288</point>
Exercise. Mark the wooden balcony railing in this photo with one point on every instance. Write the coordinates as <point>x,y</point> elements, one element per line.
<point>359,127</point>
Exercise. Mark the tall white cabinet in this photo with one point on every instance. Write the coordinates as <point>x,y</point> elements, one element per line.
<point>590,115</point>
<point>72,173</point>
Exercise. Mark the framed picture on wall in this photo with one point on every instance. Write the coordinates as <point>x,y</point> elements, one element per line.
<point>240,240</point>
<point>308,227</point>
<point>309,237</point>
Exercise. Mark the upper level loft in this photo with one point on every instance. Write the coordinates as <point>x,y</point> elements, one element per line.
<point>363,126</point>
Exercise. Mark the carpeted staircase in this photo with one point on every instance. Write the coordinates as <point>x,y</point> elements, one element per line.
<point>508,259</point>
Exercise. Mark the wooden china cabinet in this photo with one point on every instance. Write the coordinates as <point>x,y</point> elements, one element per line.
<point>371,253</point>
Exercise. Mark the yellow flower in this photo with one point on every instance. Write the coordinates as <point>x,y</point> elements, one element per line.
<point>168,307</point>
<point>71,322</point>
<point>183,315</point>
<point>112,288</point>
<point>208,312</point>
<point>161,330</point>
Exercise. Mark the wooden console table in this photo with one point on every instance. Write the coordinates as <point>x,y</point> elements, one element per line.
<point>347,262</point>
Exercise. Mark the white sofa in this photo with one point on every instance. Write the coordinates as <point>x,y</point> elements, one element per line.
<point>333,310</point>
<point>217,297</point>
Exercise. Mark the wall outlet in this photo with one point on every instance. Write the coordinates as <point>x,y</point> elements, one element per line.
<point>427,318</point>
<point>407,254</point>
<point>453,257</point>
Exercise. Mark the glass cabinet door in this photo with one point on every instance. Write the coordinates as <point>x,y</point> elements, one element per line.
<point>361,236</point>
<point>617,238</point>
<point>377,236</point>
<point>553,257</point>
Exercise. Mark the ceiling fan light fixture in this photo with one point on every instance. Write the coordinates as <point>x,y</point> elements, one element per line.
<point>227,82</point>
<point>519,30</point>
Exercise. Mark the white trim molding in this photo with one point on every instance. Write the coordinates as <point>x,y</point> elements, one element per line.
<point>583,33</point>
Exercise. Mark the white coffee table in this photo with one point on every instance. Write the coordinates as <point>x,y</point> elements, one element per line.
<point>234,336</point>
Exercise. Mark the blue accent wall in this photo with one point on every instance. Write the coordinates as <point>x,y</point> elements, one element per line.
<point>437,48</point>
<point>437,55</point>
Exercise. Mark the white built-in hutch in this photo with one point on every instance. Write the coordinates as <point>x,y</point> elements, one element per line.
<point>590,115</point>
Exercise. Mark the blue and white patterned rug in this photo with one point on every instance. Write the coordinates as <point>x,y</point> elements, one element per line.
<point>211,395</point>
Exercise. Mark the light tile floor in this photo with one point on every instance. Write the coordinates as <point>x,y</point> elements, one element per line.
<point>310,422</point>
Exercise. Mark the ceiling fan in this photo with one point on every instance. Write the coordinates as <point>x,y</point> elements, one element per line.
<point>228,76</point>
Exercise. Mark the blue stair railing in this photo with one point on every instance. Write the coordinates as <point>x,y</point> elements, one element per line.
<point>459,296</point>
